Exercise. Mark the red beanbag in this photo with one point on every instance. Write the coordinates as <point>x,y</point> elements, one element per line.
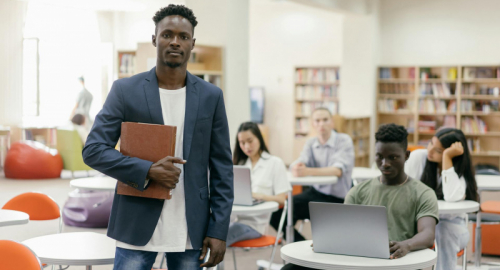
<point>32,160</point>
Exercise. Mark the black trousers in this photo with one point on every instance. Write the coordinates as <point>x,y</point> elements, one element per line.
<point>301,209</point>
<point>295,267</point>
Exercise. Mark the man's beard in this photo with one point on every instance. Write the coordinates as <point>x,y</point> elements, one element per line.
<point>173,65</point>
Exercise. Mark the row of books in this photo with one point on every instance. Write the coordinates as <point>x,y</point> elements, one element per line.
<point>479,106</point>
<point>394,105</point>
<point>437,106</point>
<point>362,147</point>
<point>397,88</point>
<point>472,89</point>
<point>48,138</point>
<point>316,75</point>
<point>397,73</point>
<point>126,64</point>
<point>316,92</point>
<point>430,126</point>
<point>436,89</point>
<point>302,125</point>
<point>474,145</point>
<point>481,73</point>
<point>449,73</point>
<point>307,108</point>
<point>474,125</point>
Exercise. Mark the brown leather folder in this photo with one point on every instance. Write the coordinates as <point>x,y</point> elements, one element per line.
<point>149,142</point>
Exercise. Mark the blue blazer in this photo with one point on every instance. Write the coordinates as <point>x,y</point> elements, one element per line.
<point>206,148</point>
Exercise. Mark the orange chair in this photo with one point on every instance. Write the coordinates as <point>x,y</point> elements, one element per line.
<point>411,148</point>
<point>15,256</point>
<point>38,206</point>
<point>490,227</point>
<point>264,241</point>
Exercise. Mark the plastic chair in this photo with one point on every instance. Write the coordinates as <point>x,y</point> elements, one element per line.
<point>70,148</point>
<point>38,206</point>
<point>15,256</point>
<point>264,241</point>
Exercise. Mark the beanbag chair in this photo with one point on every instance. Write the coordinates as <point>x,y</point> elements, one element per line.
<point>89,209</point>
<point>32,160</point>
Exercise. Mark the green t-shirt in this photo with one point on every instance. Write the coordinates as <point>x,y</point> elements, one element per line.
<point>405,204</point>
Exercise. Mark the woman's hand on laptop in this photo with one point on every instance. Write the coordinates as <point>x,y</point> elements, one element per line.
<point>398,249</point>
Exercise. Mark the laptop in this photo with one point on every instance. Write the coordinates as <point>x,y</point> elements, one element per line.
<point>243,187</point>
<point>356,230</point>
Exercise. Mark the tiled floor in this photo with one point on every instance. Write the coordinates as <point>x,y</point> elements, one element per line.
<point>59,189</point>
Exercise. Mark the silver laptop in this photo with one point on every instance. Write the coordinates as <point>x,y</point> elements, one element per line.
<point>356,230</point>
<point>243,187</point>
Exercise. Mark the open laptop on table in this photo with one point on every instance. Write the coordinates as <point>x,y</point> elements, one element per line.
<point>356,230</point>
<point>243,187</point>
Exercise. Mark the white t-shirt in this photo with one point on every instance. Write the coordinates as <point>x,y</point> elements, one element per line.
<point>269,177</point>
<point>453,188</point>
<point>171,232</point>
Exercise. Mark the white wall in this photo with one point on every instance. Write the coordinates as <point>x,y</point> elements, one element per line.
<point>284,35</point>
<point>12,15</point>
<point>439,32</point>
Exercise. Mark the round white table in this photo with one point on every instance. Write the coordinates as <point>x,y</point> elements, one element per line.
<point>79,248</point>
<point>94,183</point>
<point>484,183</point>
<point>11,217</point>
<point>360,174</point>
<point>303,181</point>
<point>262,208</point>
<point>301,253</point>
<point>458,207</point>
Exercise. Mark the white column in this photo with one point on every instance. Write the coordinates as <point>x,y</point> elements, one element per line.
<point>12,15</point>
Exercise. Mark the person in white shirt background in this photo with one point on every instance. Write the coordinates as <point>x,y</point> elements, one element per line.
<point>269,181</point>
<point>446,167</point>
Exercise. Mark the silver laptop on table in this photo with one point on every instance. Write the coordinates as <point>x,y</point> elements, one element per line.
<point>357,230</point>
<point>243,187</point>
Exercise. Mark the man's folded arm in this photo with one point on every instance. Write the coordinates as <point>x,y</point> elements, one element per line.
<point>99,151</point>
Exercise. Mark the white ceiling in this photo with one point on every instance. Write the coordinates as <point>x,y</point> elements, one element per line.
<point>101,5</point>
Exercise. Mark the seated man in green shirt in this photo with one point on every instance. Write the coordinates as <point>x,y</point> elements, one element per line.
<point>412,209</point>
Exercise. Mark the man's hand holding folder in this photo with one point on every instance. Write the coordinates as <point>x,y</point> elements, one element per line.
<point>165,172</point>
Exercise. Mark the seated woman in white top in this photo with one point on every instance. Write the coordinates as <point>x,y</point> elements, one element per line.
<point>269,181</point>
<point>446,167</point>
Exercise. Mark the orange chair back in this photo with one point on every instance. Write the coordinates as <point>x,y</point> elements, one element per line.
<point>15,256</point>
<point>411,148</point>
<point>296,190</point>
<point>37,205</point>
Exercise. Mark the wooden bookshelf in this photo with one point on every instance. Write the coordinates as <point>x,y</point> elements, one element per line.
<point>359,130</point>
<point>314,87</point>
<point>425,98</point>
<point>205,62</point>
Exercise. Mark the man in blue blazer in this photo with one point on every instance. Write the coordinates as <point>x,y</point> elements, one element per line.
<point>197,217</point>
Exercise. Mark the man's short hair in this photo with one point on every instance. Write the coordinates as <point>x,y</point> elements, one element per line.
<point>322,109</point>
<point>171,10</point>
<point>392,133</point>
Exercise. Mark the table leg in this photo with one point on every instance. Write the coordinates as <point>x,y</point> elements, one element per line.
<point>477,255</point>
<point>88,267</point>
<point>289,223</point>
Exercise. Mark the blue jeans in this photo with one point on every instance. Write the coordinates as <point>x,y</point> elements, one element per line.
<point>451,237</point>
<point>126,259</point>
<point>239,232</point>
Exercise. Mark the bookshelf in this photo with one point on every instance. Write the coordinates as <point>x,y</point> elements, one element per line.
<point>359,130</point>
<point>425,98</point>
<point>314,87</point>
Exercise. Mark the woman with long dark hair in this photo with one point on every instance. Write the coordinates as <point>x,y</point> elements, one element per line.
<point>269,181</point>
<point>446,167</point>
